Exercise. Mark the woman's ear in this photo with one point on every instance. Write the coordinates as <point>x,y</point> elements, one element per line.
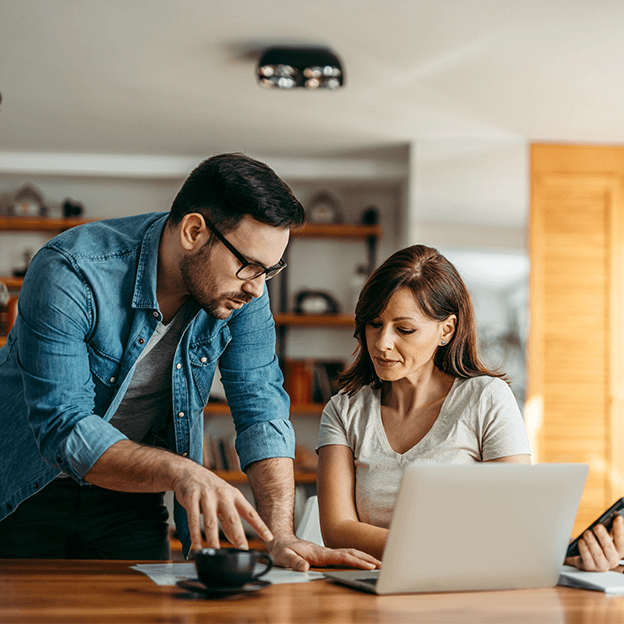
<point>448,328</point>
<point>193,231</point>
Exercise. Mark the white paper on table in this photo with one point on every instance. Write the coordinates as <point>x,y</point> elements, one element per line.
<point>608,582</point>
<point>171,573</point>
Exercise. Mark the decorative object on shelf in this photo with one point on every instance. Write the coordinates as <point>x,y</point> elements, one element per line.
<point>298,375</point>
<point>358,279</point>
<point>72,208</point>
<point>310,380</point>
<point>370,216</point>
<point>324,208</point>
<point>310,67</point>
<point>4,300</point>
<point>26,201</point>
<point>27,256</point>
<point>315,302</point>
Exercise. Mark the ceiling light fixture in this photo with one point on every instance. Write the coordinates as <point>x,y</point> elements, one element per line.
<point>311,67</point>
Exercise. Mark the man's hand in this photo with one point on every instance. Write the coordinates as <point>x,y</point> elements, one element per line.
<point>300,555</point>
<point>201,492</point>
<point>272,481</point>
<point>130,467</point>
<point>600,550</point>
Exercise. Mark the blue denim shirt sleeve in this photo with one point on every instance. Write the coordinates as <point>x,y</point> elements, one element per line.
<point>253,385</point>
<point>55,368</point>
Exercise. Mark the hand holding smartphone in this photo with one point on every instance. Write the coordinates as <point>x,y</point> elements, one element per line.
<point>606,519</point>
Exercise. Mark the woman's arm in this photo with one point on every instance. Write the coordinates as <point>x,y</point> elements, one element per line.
<point>513,459</point>
<point>340,524</point>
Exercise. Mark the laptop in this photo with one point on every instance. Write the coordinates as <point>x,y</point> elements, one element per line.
<point>459,527</point>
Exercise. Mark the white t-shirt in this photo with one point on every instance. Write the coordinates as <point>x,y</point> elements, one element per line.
<point>479,421</point>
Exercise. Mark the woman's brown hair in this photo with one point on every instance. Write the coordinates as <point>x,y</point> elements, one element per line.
<point>439,292</point>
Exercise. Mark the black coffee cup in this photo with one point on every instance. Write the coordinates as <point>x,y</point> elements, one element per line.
<point>231,567</point>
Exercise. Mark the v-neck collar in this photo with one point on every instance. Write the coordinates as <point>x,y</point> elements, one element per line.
<point>381,431</point>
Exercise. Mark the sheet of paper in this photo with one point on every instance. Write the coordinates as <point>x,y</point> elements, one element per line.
<point>171,573</point>
<point>608,582</point>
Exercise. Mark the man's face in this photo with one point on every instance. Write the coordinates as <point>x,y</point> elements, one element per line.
<point>209,274</point>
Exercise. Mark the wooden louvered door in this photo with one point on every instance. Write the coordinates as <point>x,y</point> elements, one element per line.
<point>576,343</point>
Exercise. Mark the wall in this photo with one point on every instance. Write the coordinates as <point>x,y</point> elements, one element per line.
<point>469,199</point>
<point>103,197</point>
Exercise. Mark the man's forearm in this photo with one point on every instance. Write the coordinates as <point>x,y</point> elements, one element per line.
<point>273,484</point>
<point>130,467</point>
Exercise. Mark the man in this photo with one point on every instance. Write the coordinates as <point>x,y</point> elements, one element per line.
<point>104,378</point>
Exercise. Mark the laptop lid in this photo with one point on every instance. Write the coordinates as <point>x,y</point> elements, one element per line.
<point>459,527</point>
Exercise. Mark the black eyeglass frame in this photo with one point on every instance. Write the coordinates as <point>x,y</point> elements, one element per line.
<point>267,272</point>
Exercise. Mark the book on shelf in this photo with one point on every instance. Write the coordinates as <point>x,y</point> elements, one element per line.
<point>325,381</point>
<point>311,380</point>
<point>220,453</point>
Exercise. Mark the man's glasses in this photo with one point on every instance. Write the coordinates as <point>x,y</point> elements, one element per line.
<point>249,270</point>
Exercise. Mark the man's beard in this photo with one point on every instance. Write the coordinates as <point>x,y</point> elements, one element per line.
<point>202,286</point>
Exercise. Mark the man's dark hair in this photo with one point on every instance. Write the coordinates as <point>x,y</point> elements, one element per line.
<point>227,187</point>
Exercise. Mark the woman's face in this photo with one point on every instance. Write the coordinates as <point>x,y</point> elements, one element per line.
<point>402,341</point>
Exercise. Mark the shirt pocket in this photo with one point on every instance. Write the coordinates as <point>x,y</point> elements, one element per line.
<point>203,356</point>
<point>104,372</point>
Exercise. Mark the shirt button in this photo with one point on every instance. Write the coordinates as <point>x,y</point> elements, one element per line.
<point>112,379</point>
<point>141,340</point>
<point>178,366</point>
<point>181,414</point>
<point>184,454</point>
<point>155,314</point>
<point>203,360</point>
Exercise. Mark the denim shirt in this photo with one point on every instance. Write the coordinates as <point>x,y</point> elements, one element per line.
<point>87,309</point>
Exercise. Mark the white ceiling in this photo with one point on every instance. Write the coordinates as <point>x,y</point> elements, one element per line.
<point>169,77</point>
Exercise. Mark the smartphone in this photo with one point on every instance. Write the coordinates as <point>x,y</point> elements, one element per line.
<point>606,519</point>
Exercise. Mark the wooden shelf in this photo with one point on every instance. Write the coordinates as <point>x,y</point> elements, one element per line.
<point>11,282</point>
<point>338,230</point>
<point>39,224</point>
<point>314,320</point>
<point>3,340</point>
<point>307,408</point>
<point>295,408</point>
<point>309,230</point>
<point>238,478</point>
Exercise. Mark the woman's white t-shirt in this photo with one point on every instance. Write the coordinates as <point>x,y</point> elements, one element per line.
<point>479,421</point>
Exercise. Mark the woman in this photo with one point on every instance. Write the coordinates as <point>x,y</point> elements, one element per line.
<point>416,391</point>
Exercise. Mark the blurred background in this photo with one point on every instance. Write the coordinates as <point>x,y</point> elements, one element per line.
<point>107,106</point>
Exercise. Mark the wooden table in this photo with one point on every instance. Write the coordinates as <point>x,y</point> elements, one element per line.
<point>67,592</point>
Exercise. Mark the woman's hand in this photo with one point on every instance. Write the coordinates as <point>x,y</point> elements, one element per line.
<point>600,550</point>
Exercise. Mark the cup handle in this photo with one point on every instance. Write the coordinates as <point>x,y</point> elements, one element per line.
<point>268,560</point>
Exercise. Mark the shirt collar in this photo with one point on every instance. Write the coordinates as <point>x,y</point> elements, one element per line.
<point>147,269</point>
